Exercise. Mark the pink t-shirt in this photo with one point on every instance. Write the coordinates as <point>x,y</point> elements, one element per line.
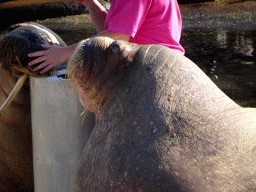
<point>147,21</point>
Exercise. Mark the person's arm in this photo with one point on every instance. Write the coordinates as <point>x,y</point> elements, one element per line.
<point>97,12</point>
<point>53,56</point>
<point>56,55</point>
<point>113,35</point>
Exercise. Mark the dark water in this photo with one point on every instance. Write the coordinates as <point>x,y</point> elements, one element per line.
<point>227,56</point>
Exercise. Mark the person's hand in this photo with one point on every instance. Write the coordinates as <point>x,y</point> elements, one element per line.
<point>51,57</point>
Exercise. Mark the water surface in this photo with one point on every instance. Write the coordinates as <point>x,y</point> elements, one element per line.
<point>227,56</point>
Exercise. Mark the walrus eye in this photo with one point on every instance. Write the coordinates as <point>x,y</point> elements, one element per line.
<point>115,49</point>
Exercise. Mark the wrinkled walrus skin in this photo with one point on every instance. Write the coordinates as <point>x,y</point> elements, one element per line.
<point>169,128</point>
<point>16,165</point>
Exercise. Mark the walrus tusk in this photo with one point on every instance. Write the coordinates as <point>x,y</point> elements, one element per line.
<point>14,92</point>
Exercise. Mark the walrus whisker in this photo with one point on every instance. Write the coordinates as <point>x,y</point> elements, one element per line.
<point>22,69</point>
<point>84,112</point>
<point>14,56</point>
<point>14,92</point>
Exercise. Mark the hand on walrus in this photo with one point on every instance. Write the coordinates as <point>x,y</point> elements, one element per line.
<point>49,58</point>
<point>17,43</point>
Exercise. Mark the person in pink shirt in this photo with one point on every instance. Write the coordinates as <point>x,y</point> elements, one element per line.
<point>137,21</point>
<point>147,22</point>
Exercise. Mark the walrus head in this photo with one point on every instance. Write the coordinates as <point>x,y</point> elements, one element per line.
<point>97,67</point>
<point>15,46</point>
<point>14,49</point>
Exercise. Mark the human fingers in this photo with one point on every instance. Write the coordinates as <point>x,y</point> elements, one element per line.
<point>40,53</point>
<point>47,46</point>
<point>36,61</point>
<point>41,66</point>
<point>37,54</point>
<point>49,67</point>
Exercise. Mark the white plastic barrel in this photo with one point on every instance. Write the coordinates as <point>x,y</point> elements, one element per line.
<point>58,133</point>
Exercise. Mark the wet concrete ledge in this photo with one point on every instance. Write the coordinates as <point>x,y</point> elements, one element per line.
<point>222,13</point>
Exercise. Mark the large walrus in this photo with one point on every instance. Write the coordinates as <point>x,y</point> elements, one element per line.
<point>162,124</point>
<point>16,167</point>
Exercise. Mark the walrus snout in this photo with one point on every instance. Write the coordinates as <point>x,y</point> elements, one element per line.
<point>20,40</point>
<point>14,50</point>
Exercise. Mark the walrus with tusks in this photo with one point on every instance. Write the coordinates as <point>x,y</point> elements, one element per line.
<point>161,124</point>
<point>16,166</point>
